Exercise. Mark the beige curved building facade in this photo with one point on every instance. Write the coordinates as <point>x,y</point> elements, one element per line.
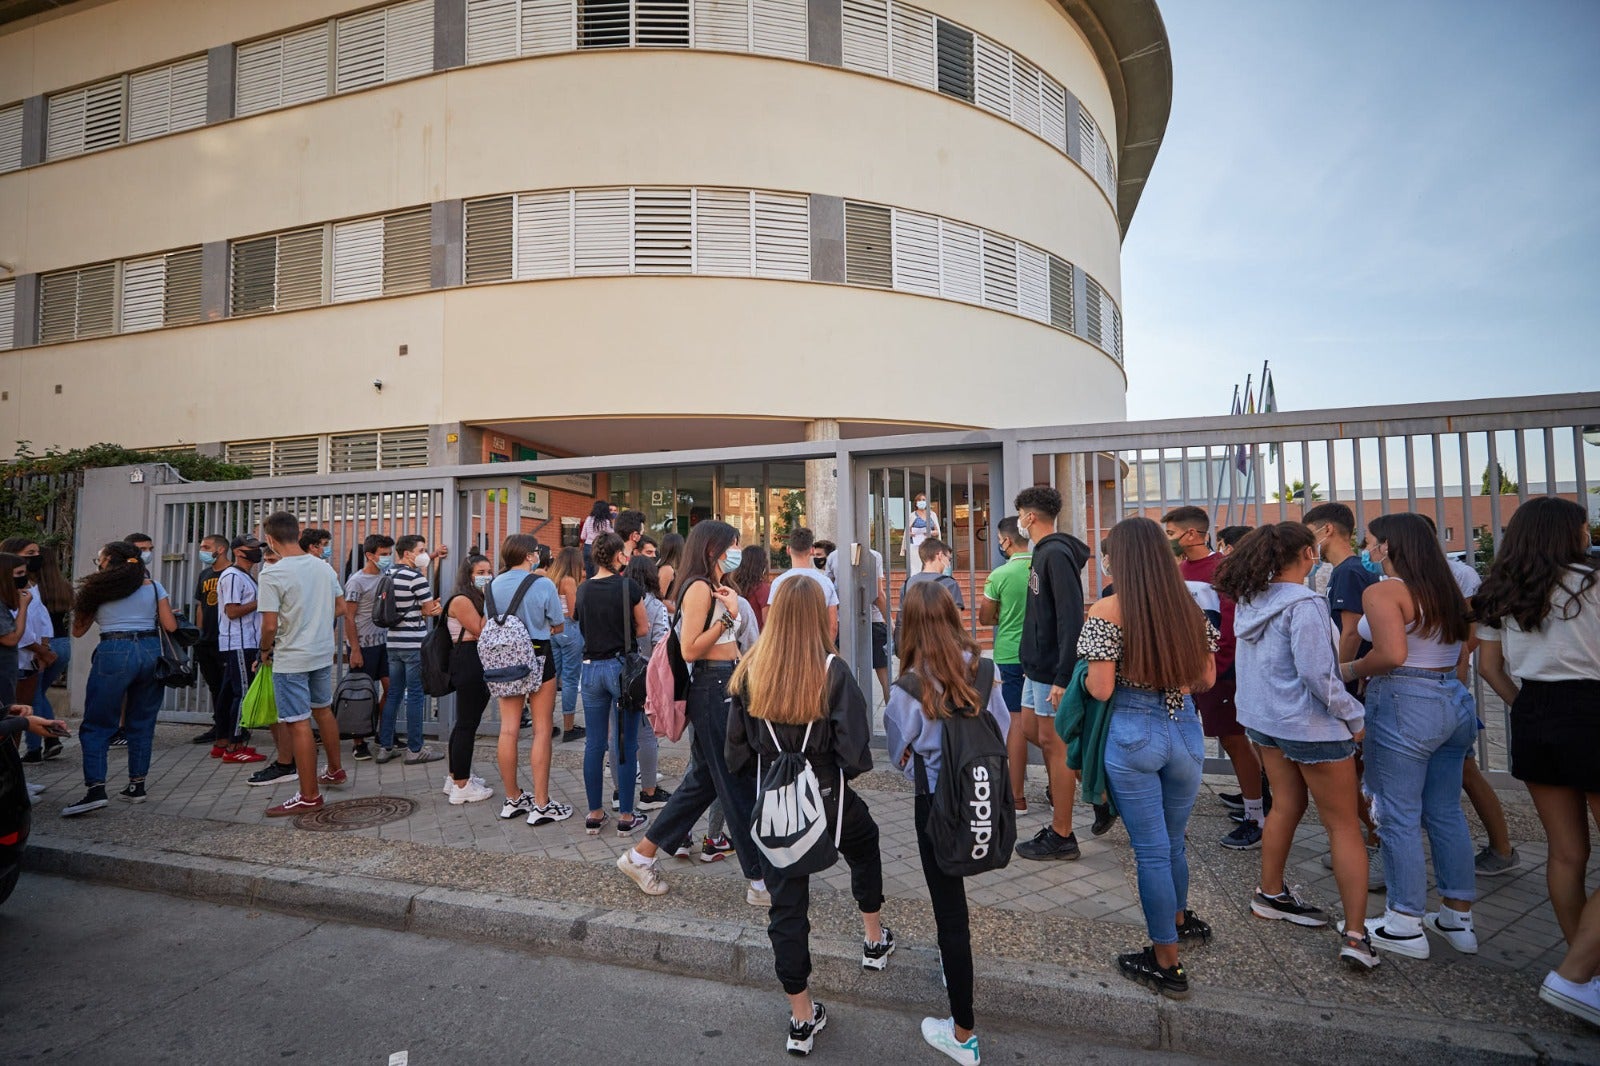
<point>579,226</point>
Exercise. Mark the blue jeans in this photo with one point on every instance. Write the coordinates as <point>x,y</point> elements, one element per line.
<point>1153,763</point>
<point>405,681</point>
<point>568,646</point>
<point>649,751</point>
<point>120,671</point>
<point>603,722</point>
<point>1421,725</point>
<point>62,646</point>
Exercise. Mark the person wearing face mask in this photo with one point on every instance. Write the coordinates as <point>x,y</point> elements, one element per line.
<point>317,543</point>
<point>820,552</point>
<point>413,597</point>
<point>367,644</point>
<point>146,546</point>
<point>708,625</point>
<point>464,616</point>
<point>239,645</point>
<point>33,647</point>
<point>1005,600</point>
<point>53,592</point>
<point>610,610</point>
<point>924,524</point>
<point>801,541</point>
<point>207,655</point>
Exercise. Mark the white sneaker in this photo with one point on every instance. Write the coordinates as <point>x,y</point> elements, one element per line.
<point>523,804</point>
<point>449,782</point>
<point>1413,946</point>
<point>472,792</point>
<point>1582,1000</point>
<point>940,1033</point>
<point>757,897</point>
<point>1463,940</point>
<point>646,877</point>
<point>34,790</point>
<point>550,812</point>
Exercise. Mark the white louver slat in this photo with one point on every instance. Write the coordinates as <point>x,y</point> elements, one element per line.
<point>779,28</point>
<point>64,125</point>
<point>359,51</point>
<point>961,253</point>
<point>783,236</point>
<point>663,231</point>
<point>258,77</point>
<point>408,40</point>
<point>993,73</point>
<point>358,260</point>
<point>999,272</point>
<point>724,233</point>
<point>8,314</point>
<point>544,235</point>
<point>144,285</point>
<point>491,30</point>
<point>305,65</point>
<point>1033,283</point>
<point>722,25</point>
<point>549,26</point>
<point>866,36</point>
<point>1026,104</point>
<point>911,46</point>
<point>10,139</point>
<point>602,232</point>
<point>916,253</point>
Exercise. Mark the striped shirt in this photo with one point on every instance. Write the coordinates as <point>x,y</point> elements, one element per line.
<point>411,591</point>
<point>242,633</point>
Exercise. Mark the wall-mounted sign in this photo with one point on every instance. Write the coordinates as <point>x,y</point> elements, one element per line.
<point>535,501</point>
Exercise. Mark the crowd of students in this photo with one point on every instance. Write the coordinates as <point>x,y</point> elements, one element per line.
<point>1353,699</point>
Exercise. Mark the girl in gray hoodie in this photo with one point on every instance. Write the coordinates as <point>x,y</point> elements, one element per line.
<point>1296,710</point>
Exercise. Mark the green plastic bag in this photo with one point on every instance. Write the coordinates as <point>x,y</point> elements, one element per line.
<point>259,708</point>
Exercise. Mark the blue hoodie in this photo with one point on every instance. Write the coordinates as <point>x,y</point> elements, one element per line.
<point>1288,668</point>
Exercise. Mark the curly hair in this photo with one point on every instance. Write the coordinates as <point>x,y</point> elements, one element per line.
<point>1546,543</point>
<point>1261,555</point>
<point>123,576</point>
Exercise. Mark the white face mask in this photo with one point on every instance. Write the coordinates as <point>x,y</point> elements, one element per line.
<point>922,505</point>
<point>421,561</point>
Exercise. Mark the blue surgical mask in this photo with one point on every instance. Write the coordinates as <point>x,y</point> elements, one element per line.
<point>1371,565</point>
<point>385,562</point>
<point>730,562</point>
<point>481,581</point>
<point>208,558</point>
<point>327,551</point>
<point>144,557</point>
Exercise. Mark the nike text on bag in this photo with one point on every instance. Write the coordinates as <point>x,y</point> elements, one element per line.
<point>386,614</point>
<point>436,680</point>
<point>510,665</point>
<point>790,822</point>
<point>972,822</point>
<point>355,705</point>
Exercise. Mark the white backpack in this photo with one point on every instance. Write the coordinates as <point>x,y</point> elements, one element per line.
<point>510,665</point>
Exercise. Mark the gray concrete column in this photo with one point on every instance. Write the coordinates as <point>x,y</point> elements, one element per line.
<point>25,319</point>
<point>214,281</point>
<point>449,253</point>
<point>449,34</point>
<point>822,484</point>
<point>466,448</point>
<point>1074,131</point>
<point>826,22</point>
<point>1072,481</point>
<point>221,69</point>
<point>33,131</point>
<point>827,238</point>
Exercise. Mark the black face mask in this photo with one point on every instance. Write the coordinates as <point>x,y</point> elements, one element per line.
<point>249,555</point>
<point>22,582</point>
<point>35,563</point>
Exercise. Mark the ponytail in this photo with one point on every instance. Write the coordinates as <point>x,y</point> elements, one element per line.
<point>1259,558</point>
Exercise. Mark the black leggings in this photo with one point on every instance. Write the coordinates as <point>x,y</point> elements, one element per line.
<point>788,920</point>
<point>472,696</point>
<point>949,898</point>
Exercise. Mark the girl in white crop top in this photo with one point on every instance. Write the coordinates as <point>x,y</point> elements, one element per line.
<point>1422,653</point>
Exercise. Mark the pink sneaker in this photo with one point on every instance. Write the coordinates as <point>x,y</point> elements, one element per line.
<point>294,805</point>
<point>336,778</point>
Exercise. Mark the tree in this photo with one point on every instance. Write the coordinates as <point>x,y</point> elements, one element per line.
<point>1298,491</point>
<point>1507,486</point>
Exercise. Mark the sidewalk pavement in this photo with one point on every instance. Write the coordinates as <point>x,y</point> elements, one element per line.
<point>1045,934</point>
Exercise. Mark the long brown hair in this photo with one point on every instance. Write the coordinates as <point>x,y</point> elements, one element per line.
<point>1546,546</point>
<point>1163,631</point>
<point>784,679</point>
<point>54,589</point>
<point>123,576</point>
<point>934,644</point>
<point>567,563</point>
<point>1420,563</point>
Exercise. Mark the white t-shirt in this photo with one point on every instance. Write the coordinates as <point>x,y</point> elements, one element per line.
<point>1562,649</point>
<point>301,590</point>
<point>829,593</point>
<point>1467,579</point>
<point>242,633</point>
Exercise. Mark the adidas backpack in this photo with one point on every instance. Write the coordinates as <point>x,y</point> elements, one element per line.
<point>789,824</point>
<point>972,823</point>
<point>355,705</point>
<point>510,665</point>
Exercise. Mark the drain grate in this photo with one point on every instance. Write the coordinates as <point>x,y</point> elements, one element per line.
<point>364,813</point>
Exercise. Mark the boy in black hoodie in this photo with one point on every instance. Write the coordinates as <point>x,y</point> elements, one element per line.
<point>1050,627</point>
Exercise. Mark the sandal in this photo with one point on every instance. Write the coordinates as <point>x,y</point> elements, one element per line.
<point>593,823</point>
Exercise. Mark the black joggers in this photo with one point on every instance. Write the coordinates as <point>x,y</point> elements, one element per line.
<point>948,895</point>
<point>472,696</point>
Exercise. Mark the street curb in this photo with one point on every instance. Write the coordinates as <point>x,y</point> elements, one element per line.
<point>1215,1023</point>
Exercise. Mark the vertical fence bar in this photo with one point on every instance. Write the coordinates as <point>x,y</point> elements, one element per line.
<point>1550,486</point>
<point>1411,474</point>
<point>1438,491</point>
<point>1520,437</point>
<point>1283,487</point>
<point>1333,472</point>
<point>1579,470</point>
<point>1384,492</point>
<point>1360,488</point>
<point>1491,475</point>
<point>1469,518</point>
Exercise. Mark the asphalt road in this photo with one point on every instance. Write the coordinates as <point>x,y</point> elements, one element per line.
<point>103,975</point>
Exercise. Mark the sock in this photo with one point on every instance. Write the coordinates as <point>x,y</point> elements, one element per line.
<point>1253,811</point>
<point>639,860</point>
<point>1401,925</point>
<point>759,884</point>
<point>1454,919</point>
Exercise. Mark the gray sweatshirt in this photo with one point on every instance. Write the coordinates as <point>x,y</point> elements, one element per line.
<point>1288,668</point>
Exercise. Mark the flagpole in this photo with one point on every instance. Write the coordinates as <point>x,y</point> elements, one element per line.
<point>1250,466</point>
<point>1216,500</point>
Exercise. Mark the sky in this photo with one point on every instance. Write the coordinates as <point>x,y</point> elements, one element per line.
<point>1391,201</point>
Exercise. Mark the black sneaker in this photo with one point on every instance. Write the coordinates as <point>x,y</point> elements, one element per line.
<point>1193,928</point>
<point>1245,836</point>
<point>271,774</point>
<point>52,750</point>
<point>361,753</point>
<point>135,792</point>
<point>92,800</point>
<point>653,801</point>
<point>208,737</point>
<point>1048,844</point>
<point>1104,819</point>
<point>801,1034</point>
<point>1234,801</point>
<point>1287,906</point>
<point>527,721</point>
<point>33,756</point>
<point>577,732</point>
<point>876,956</point>
<point>1142,968</point>
<point>685,849</point>
<point>119,739</point>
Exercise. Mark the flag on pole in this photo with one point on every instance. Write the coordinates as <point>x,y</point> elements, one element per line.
<point>1269,404</point>
<point>1240,459</point>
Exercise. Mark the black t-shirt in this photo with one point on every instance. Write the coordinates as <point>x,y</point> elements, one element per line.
<point>1345,586</point>
<point>600,614</point>
<point>205,597</point>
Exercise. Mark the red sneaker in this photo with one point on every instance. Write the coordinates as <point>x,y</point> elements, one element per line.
<point>294,805</point>
<point>218,750</point>
<point>246,754</point>
<point>336,778</point>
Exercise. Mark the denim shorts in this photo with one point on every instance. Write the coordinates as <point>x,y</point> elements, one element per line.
<point>1305,752</point>
<point>298,693</point>
<point>1036,695</point>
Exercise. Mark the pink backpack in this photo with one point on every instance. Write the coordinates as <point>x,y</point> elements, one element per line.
<point>667,710</point>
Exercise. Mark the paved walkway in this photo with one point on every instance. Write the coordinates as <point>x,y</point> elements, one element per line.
<point>1070,914</point>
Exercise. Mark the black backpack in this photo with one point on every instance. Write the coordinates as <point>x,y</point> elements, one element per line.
<point>972,823</point>
<point>385,615</point>
<point>436,646</point>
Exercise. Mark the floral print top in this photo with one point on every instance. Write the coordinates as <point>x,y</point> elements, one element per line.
<point>1101,641</point>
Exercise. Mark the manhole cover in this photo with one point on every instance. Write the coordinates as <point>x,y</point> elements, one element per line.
<point>351,814</point>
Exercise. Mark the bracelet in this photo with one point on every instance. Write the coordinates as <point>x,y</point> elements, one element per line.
<point>1347,671</point>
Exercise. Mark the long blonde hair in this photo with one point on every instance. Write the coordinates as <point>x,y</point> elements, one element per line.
<point>567,563</point>
<point>784,679</point>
